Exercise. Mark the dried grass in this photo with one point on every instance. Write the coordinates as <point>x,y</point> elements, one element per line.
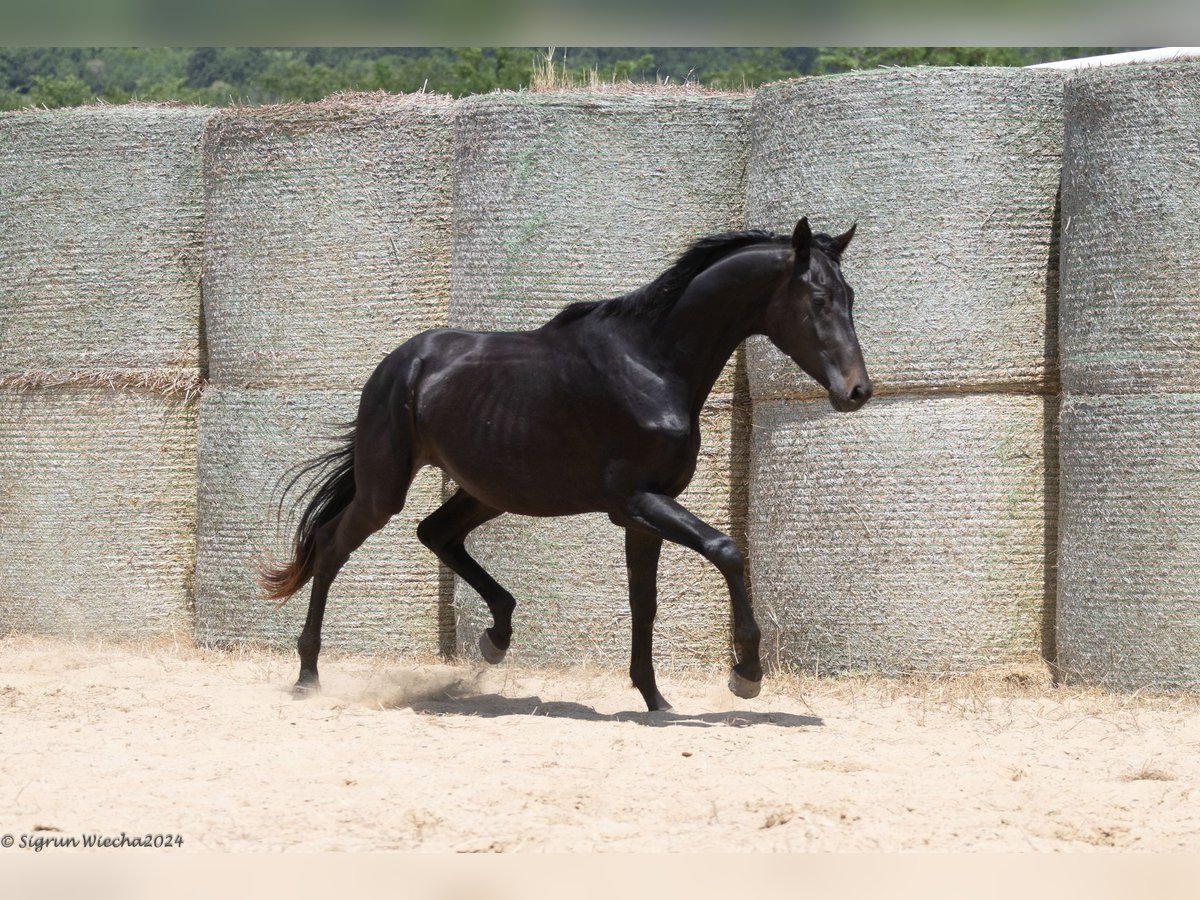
<point>98,504</point>
<point>185,385</point>
<point>570,196</point>
<point>552,76</point>
<point>1130,542</point>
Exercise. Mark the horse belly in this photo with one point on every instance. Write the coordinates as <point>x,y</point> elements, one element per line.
<point>517,443</point>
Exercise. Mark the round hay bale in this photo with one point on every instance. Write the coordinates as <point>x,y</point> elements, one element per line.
<point>100,233</point>
<point>1131,231</point>
<point>909,537</point>
<point>388,596</point>
<point>97,512</point>
<point>1129,552</point>
<point>328,236</point>
<point>952,175</point>
<point>560,197</point>
<point>569,579</point>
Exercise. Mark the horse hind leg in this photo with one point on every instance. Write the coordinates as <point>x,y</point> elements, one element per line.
<point>445,532</point>
<point>382,473</point>
<point>335,541</point>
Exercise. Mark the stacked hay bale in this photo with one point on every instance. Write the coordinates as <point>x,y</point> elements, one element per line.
<point>327,245</point>
<point>100,362</point>
<point>583,196</point>
<point>912,536</point>
<point>1128,614</point>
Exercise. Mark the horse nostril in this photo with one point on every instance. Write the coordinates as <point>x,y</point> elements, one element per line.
<point>861,393</point>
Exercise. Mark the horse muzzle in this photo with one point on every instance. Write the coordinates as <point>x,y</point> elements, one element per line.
<point>854,398</point>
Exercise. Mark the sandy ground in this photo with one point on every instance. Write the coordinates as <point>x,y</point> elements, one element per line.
<point>400,754</point>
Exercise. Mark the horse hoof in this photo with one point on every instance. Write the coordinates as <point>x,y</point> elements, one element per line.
<point>743,687</point>
<point>491,653</point>
<point>302,690</point>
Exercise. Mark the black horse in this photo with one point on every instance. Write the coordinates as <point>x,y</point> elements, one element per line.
<point>595,411</point>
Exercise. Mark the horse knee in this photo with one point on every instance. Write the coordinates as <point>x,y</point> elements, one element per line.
<point>724,553</point>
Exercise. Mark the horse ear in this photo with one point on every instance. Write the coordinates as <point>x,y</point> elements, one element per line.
<point>840,242</point>
<point>802,243</point>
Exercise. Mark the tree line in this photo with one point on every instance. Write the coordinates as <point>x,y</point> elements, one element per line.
<point>222,76</point>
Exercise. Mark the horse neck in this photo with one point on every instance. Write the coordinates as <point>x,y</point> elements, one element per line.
<point>722,307</point>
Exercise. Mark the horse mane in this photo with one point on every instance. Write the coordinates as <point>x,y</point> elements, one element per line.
<point>659,296</point>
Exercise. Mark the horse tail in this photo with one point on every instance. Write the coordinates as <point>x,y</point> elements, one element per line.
<point>330,492</point>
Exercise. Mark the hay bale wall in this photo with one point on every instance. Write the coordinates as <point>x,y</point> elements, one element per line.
<point>1128,616</point>
<point>328,236</point>
<point>97,512</point>
<point>100,232</point>
<point>909,537</point>
<point>328,246</point>
<point>388,595</point>
<point>912,536</point>
<point>329,242</point>
<point>101,221</point>
<point>574,196</point>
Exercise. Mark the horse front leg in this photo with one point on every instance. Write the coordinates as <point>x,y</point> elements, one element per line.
<point>662,516</point>
<point>641,561</point>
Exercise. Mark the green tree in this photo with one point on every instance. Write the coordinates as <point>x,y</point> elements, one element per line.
<point>287,78</point>
<point>64,76</point>
<point>54,92</point>
<point>478,71</point>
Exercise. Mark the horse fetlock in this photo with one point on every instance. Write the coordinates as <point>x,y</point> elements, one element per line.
<point>658,703</point>
<point>745,647</point>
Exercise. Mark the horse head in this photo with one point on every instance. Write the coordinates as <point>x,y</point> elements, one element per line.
<point>810,318</point>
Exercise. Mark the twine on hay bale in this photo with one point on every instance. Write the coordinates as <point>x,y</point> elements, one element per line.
<point>101,225</point>
<point>909,537</point>
<point>570,583</point>
<point>328,236</point>
<point>573,196</point>
<point>952,176</point>
<point>387,597</point>
<point>1128,614</point>
<point>1131,230</point>
<point>97,511</point>
<point>180,383</point>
